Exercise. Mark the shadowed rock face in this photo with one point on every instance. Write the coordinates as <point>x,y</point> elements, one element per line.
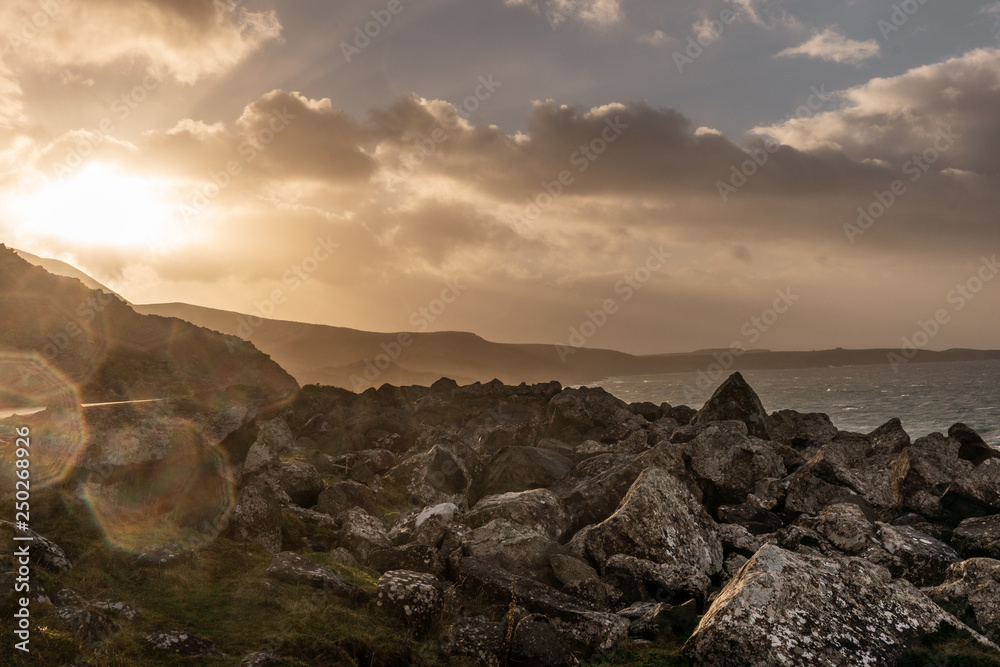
<point>736,400</point>
<point>794,609</point>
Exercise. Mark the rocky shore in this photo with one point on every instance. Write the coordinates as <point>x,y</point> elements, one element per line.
<point>537,525</point>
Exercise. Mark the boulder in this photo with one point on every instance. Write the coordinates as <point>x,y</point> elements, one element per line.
<point>752,516</point>
<point>914,556</point>
<point>976,493</point>
<point>346,495</point>
<point>578,414</point>
<point>580,579</point>
<point>737,539</point>
<point>574,621</point>
<point>413,557</point>
<point>43,551</point>
<point>440,474</point>
<point>648,620</point>
<point>519,469</point>
<point>972,446</point>
<point>924,470</point>
<point>800,430</point>
<point>291,568</point>
<point>257,517</point>
<point>971,592</point>
<point>538,509</point>
<point>639,580</point>
<point>845,527</point>
<point>182,643</point>
<point>478,638</point>
<point>361,533</point>
<point>534,642</point>
<point>161,554</point>
<point>83,619</point>
<point>889,439</point>
<point>414,597</point>
<point>514,548</point>
<point>785,608</point>
<point>735,400</point>
<point>658,520</point>
<point>302,482</point>
<point>728,463</point>
<point>979,536</point>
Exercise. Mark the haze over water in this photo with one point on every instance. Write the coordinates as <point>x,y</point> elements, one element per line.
<point>926,397</point>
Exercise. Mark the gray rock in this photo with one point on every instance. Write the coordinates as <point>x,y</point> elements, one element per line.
<point>519,469</point>
<point>578,414</point>
<point>639,580</point>
<point>478,638</point>
<point>534,642</point>
<point>736,400</point>
<point>914,556</point>
<point>182,643</point>
<point>795,609</point>
<point>972,594</point>
<point>728,463</point>
<point>752,516</point>
<point>414,597</point>
<point>346,495</point>
<point>512,547</point>
<point>979,536</point>
<point>302,482</point>
<point>43,551</point>
<point>737,539</point>
<point>976,493</point>
<point>924,471</point>
<point>580,579</point>
<point>161,554</point>
<point>799,430</point>
<point>648,620</point>
<point>291,568</point>
<point>414,557</point>
<point>361,533</point>
<point>845,527</point>
<point>658,520</point>
<point>538,509</point>
<point>257,517</point>
<point>973,448</point>
<point>261,659</point>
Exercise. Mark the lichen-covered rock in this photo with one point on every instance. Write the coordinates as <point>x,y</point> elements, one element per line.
<point>161,554</point>
<point>728,463</point>
<point>737,539</point>
<point>414,557</point>
<point>736,400</point>
<point>414,597</point>
<point>924,470</point>
<point>580,579</point>
<point>972,594</point>
<point>261,659</point>
<point>639,580</point>
<point>658,520</point>
<point>538,509</point>
<point>519,550</point>
<point>82,618</point>
<point>647,620</point>
<point>257,517</point>
<point>578,414</point>
<point>291,568</point>
<point>752,516</point>
<point>302,482</point>
<point>43,551</point>
<point>344,496</point>
<point>479,639</point>
<point>914,556</point>
<point>795,609</point>
<point>361,533</point>
<point>845,526</point>
<point>182,643</point>
<point>978,536</point>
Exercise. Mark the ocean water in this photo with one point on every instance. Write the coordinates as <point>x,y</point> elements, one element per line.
<point>926,397</point>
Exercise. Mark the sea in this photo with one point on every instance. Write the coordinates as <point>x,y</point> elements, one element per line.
<point>926,397</point>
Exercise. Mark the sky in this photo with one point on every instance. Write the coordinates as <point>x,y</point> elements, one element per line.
<point>611,173</point>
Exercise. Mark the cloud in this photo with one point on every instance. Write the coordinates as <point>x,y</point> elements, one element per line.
<point>992,11</point>
<point>831,46</point>
<point>655,38</point>
<point>765,14</point>
<point>184,40</point>
<point>598,13</point>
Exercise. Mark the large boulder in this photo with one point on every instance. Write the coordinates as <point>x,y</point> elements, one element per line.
<point>641,580</point>
<point>924,470</point>
<point>785,608</point>
<point>845,527</point>
<point>736,400</point>
<point>972,446</point>
<point>346,495</point>
<point>414,557</point>
<point>972,593</point>
<point>414,597</point>
<point>658,520</point>
<point>800,430</point>
<point>728,463</point>
<point>538,509</point>
<point>578,414</point>
<point>576,622</point>
<point>976,493</point>
<point>514,548</point>
<point>361,533</point>
<point>519,469</point>
<point>302,482</point>
<point>915,556</point>
<point>257,517</point>
<point>534,642</point>
<point>979,536</point>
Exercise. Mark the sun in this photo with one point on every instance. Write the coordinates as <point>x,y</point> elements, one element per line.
<point>100,205</point>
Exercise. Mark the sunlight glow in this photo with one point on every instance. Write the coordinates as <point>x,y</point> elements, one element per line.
<point>100,205</point>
